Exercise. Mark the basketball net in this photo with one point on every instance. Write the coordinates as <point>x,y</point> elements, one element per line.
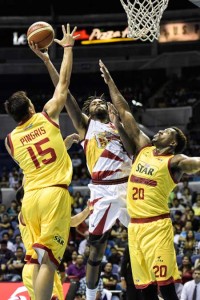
<point>144,18</point>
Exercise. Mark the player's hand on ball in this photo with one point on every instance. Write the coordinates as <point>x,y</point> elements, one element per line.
<point>43,54</point>
<point>68,38</point>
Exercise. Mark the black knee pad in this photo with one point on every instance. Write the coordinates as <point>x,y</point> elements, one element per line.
<point>93,263</point>
<point>98,239</point>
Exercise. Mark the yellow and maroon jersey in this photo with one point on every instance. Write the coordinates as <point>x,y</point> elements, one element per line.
<point>149,184</point>
<point>39,149</point>
<point>106,158</point>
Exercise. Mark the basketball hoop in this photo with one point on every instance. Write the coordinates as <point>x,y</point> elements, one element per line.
<point>144,18</point>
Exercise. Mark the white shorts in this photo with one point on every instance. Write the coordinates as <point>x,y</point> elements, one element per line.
<point>107,204</point>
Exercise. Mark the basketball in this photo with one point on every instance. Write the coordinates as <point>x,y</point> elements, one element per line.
<point>41,33</point>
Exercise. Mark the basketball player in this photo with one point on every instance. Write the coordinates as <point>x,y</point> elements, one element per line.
<point>109,166</point>
<point>27,273</point>
<point>156,170</point>
<point>37,146</point>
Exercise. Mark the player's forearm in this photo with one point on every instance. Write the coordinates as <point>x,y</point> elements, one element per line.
<point>79,218</point>
<point>123,109</point>
<point>79,120</point>
<point>66,66</point>
<point>127,143</point>
<point>72,106</point>
<point>54,106</point>
<point>52,72</point>
<point>117,99</point>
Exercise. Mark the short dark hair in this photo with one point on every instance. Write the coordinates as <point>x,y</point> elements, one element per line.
<point>87,102</point>
<point>20,248</point>
<point>18,106</point>
<point>5,233</point>
<point>181,140</point>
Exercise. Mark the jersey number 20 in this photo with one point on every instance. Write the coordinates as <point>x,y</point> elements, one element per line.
<point>138,194</point>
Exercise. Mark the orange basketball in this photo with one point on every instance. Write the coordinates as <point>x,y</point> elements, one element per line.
<point>41,33</point>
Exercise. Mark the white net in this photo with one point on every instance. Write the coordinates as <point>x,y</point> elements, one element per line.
<point>144,18</point>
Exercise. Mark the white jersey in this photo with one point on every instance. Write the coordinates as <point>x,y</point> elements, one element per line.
<point>106,158</point>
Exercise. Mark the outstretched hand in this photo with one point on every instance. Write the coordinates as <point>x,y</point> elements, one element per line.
<point>41,53</point>
<point>68,38</point>
<point>113,115</point>
<point>71,139</point>
<point>104,72</point>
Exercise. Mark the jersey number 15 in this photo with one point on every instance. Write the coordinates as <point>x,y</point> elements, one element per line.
<point>42,152</point>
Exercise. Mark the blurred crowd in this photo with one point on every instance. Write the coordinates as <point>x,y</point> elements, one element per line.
<point>184,204</point>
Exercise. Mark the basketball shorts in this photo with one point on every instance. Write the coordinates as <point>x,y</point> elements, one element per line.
<point>25,238</point>
<point>153,258</point>
<point>47,215</point>
<point>27,276</point>
<point>107,204</point>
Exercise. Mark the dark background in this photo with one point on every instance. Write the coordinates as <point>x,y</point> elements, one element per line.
<point>76,7</point>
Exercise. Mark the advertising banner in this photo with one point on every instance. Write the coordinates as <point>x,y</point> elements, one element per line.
<point>17,291</point>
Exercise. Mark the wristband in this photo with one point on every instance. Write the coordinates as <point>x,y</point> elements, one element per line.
<point>68,45</point>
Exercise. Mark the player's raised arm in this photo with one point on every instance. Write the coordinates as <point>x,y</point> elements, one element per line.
<point>44,56</point>
<point>79,119</point>
<point>130,125</point>
<point>114,118</point>
<point>55,105</point>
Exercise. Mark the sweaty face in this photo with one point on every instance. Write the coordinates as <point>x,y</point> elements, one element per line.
<point>98,107</point>
<point>164,137</point>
